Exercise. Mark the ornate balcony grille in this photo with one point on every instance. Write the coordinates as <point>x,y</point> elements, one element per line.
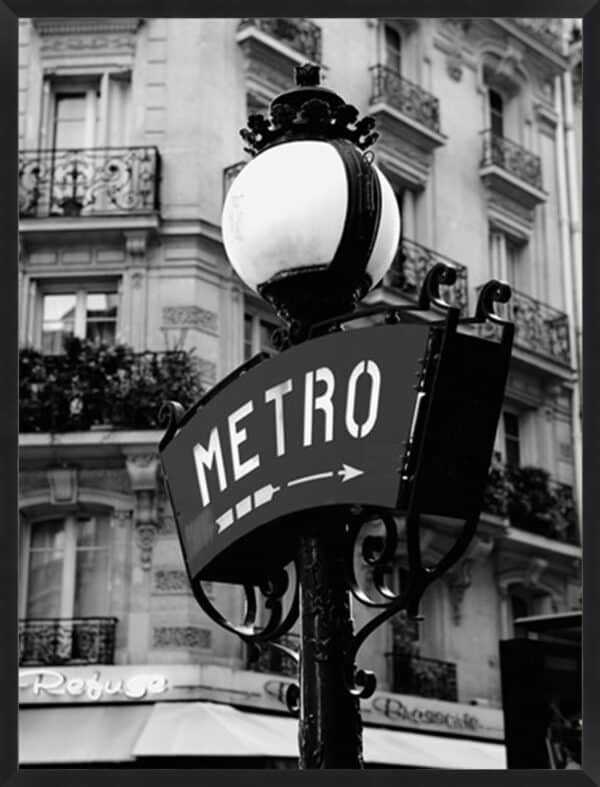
<point>532,500</point>
<point>105,387</point>
<point>539,328</point>
<point>548,31</point>
<point>424,677</point>
<point>410,267</point>
<point>512,158</point>
<point>407,97</point>
<point>298,33</point>
<point>273,660</point>
<point>96,181</point>
<point>53,641</point>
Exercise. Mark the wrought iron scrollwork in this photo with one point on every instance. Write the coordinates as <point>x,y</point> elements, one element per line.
<point>492,292</point>
<point>88,181</point>
<point>438,275</point>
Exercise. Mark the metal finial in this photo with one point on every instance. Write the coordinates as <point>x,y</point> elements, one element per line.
<point>307,75</point>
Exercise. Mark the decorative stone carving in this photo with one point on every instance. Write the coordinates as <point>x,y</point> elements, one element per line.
<point>181,637</point>
<point>454,32</point>
<point>171,580</point>
<point>63,483</point>
<point>459,578</point>
<point>135,245</point>
<point>142,470</point>
<point>190,317</point>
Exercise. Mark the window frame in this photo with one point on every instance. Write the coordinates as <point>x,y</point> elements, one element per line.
<point>256,316</point>
<point>78,286</point>
<point>69,571</point>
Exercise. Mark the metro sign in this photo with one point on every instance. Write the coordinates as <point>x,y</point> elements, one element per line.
<point>324,423</point>
<point>400,417</point>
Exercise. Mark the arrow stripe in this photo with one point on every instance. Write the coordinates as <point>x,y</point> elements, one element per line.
<point>306,478</point>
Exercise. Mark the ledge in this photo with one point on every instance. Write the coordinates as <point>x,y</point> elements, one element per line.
<point>35,226</point>
<point>500,181</point>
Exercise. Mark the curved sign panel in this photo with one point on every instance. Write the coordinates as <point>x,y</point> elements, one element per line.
<point>323,423</point>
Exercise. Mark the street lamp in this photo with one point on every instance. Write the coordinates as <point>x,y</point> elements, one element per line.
<point>311,224</point>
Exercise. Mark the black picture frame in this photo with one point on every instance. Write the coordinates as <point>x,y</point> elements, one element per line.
<point>10,10</point>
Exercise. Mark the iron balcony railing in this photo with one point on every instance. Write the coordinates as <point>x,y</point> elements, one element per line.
<point>52,641</point>
<point>93,181</point>
<point>512,158</point>
<point>412,100</point>
<point>411,265</point>
<point>539,328</point>
<point>424,677</point>
<point>298,33</point>
<point>273,660</point>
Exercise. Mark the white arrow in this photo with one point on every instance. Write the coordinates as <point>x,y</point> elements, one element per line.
<point>347,472</point>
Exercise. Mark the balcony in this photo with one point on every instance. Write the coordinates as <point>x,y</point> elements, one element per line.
<point>273,660</point>
<point>91,182</point>
<point>510,171</point>
<point>297,33</point>
<point>73,641</point>
<point>272,48</point>
<point>532,501</point>
<point>101,387</point>
<point>410,267</point>
<point>539,328</point>
<point>542,30</point>
<point>424,677</point>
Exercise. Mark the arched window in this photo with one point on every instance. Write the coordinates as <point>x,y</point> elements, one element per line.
<point>496,105</point>
<point>393,49</point>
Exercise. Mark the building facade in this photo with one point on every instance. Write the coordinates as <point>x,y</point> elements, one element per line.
<point>128,142</point>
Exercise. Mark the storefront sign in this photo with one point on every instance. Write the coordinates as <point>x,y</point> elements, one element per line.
<point>323,423</point>
<point>54,683</point>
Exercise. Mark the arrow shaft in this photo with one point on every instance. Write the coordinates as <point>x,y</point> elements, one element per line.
<point>305,479</point>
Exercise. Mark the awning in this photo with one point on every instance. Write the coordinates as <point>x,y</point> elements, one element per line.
<point>103,733</point>
<point>202,729</point>
<point>117,733</point>
<point>207,729</point>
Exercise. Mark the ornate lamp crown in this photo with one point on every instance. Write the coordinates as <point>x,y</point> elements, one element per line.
<point>308,111</point>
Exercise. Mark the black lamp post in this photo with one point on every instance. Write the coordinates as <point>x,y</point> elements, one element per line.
<point>311,224</point>
<point>328,229</point>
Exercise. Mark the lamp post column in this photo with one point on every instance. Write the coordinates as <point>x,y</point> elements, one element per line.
<point>330,734</point>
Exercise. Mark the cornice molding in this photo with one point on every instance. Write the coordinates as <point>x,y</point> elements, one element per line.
<point>69,26</point>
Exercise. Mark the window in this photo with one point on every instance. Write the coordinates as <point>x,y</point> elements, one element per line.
<point>258,333</point>
<point>513,255</point>
<point>67,574</point>
<point>393,49</point>
<point>88,311</point>
<point>512,447</point>
<point>83,112</point>
<point>496,105</point>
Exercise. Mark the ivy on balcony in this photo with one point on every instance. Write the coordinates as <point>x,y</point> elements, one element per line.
<point>531,500</point>
<point>100,386</point>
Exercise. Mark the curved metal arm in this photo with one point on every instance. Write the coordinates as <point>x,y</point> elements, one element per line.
<point>273,590</point>
<point>492,292</point>
<point>438,275</point>
<point>171,413</point>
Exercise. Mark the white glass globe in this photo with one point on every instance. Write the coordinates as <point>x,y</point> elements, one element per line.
<point>287,209</point>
